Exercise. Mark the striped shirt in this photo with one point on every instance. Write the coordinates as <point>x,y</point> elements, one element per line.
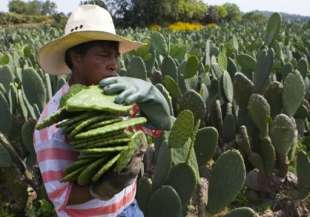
<point>54,155</point>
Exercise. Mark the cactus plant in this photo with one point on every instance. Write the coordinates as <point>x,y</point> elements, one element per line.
<point>263,70</point>
<point>182,129</point>
<point>242,212</point>
<point>247,64</point>
<point>259,110</point>
<point>227,86</point>
<point>169,67</point>
<point>165,202</point>
<point>205,144</point>
<point>33,87</point>
<point>273,28</point>
<point>243,88</point>
<point>293,93</point>
<point>190,68</point>
<point>222,191</point>
<point>192,100</point>
<point>171,85</point>
<point>283,136</point>
<point>182,179</point>
<point>136,68</point>
<point>303,174</point>
<point>6,76</point>
<point>273,95</point>
<point>144,191</point>
<point>6,118</point>
<point>159,43</point>
<point>163,166</point>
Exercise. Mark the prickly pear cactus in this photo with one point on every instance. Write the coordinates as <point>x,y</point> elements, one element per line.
<point>93,98</point>
<point>242,212</point>
<point>293,92</point>
<point>263,70</point>
<point>192,100</point>
<point>273,28</point>
<point>303,174</point>
<point>259,110</point>
<point>243,88</point>
<point>182,129</point>
<point>163,166</point>
<point>223,191</point>
<point>6,118</point>
<point>33,87</point>
<point>182,179</point>
<point>169,67</point>
<point>6,76</point>
<point>137,69</point>
<point>205,144</point>
<point>165,202</point>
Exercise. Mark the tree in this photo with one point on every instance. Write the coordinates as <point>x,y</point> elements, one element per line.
<point>213,15</point>
<point>95,2</point>
<point>233,12</point>
<point>34,7</point>
<point>17,6</point>
<point>48,8</point>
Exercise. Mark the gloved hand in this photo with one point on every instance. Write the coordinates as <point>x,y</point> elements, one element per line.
<point>112,182</point>
<point>150,100</point>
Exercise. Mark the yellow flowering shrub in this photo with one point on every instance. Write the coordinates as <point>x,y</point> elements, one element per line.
<point>182,26</point>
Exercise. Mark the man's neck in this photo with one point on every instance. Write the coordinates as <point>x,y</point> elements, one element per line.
<point>75,79</point>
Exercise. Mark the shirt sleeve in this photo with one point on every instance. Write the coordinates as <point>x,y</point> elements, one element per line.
<point>53,156</point>
<point>155,133</point>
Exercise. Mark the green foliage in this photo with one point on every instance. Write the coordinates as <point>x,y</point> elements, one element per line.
<point>33,7</point>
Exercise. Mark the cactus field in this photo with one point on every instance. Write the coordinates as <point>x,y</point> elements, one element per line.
<point>239,98</point>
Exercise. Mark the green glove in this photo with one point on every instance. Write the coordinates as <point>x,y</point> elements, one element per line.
<point>150,100</point>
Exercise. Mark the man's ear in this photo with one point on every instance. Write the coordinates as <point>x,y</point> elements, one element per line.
<point>75,59</point>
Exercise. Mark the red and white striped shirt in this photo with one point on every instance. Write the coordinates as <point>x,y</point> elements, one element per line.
<point>54,155</point>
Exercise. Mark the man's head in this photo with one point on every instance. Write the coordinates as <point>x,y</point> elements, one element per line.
<point>86,23</point>
<point>92,61</point>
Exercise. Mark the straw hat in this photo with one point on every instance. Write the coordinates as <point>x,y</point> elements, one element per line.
<point>86,23</point>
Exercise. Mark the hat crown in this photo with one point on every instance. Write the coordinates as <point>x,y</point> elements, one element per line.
<point>90,18</point>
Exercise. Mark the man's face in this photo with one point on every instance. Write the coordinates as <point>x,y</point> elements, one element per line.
<point>100,61</point>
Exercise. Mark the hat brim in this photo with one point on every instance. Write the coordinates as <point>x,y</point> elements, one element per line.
<point>51,57</point>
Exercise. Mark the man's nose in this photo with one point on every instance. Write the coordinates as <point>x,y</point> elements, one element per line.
<point>113,64</point>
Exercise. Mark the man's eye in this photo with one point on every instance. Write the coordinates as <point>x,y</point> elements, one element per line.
<point>104,55</point>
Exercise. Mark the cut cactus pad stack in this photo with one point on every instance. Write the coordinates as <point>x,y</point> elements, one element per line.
<point>97,128</point>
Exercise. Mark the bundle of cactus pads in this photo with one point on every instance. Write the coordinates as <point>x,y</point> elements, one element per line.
<point>101,131</point>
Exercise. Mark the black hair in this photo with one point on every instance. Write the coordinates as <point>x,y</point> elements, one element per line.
<point>82,49</point>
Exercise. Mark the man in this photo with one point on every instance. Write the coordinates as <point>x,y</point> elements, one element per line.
<point>89,51</point>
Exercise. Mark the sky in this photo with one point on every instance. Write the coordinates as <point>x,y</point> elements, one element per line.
<point>300,7</point>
